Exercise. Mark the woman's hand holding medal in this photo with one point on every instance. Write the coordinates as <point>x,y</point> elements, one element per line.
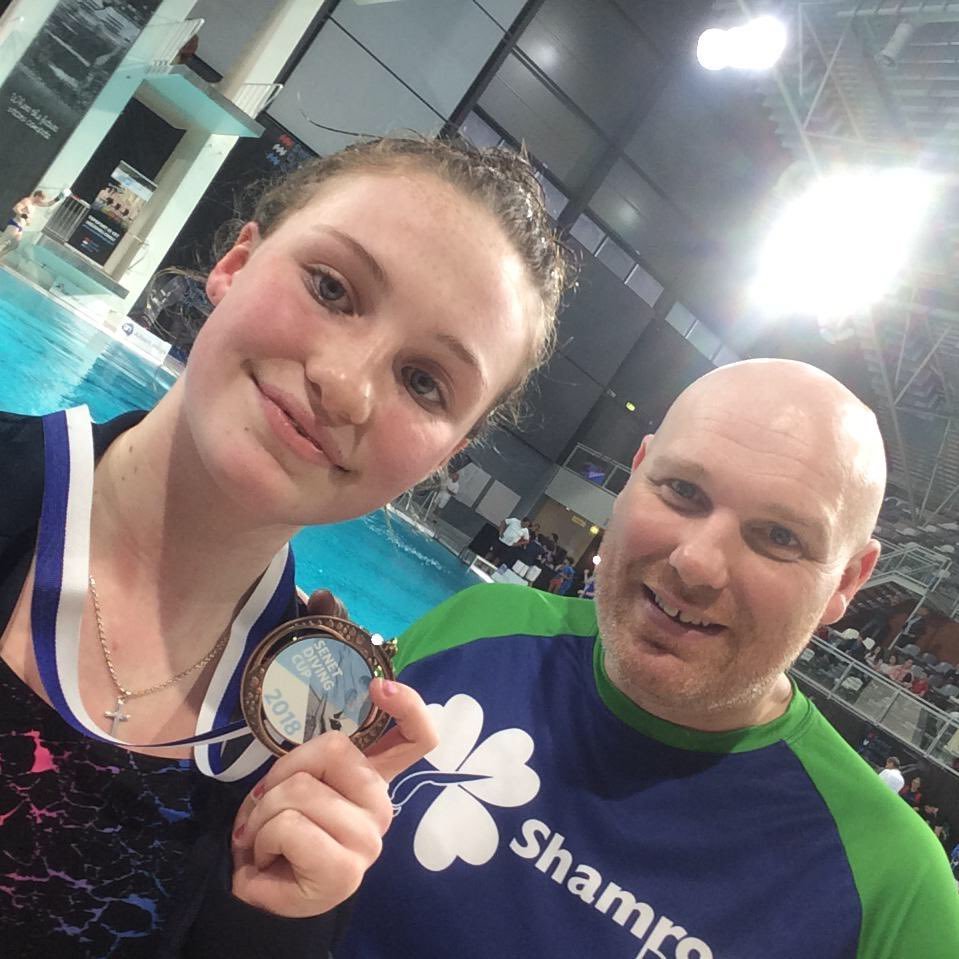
<point>311,828</point>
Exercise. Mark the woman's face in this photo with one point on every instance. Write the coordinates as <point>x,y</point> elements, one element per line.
<point>352,350</point>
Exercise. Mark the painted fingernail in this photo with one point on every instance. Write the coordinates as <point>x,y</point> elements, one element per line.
<point>389,687</point>
<point>238,832</point>
<point>258,791</point>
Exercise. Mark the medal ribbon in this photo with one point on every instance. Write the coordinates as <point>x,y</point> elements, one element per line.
<point>61,576</point>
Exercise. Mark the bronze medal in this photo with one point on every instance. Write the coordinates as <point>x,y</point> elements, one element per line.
<point>310,676</point>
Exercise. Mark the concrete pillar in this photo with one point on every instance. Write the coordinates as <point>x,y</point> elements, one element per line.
<point>199,155</point>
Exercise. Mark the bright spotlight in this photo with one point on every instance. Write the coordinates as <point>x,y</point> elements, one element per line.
<point>839,247</point>
<point>597,559</point>
<point>756,45</point>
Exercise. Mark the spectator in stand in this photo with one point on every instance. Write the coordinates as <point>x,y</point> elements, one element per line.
<point>859,649</point>
<point>890,662</point>
<point>913,793</point>
<point>532,553</point>
<point>937,823</point>
<point>588,589</point>
<point>920,684</point>
<point>903,674</point>
<point>548,559</point>
<point>561,583</point>
<point>915,626</point>
<point>876,627</point>
<point>513,537</point>
<point>850,637</point>
<point>891,775</point>
<point>448,487</point>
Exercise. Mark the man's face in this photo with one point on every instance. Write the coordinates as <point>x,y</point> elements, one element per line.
<point>727,547</point>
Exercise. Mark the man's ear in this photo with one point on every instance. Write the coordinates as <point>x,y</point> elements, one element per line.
<point>642,451</point>
<point>221,276</point>
<point>854,576</point>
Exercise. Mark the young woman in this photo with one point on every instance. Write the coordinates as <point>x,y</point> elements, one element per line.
<point>379,307</point>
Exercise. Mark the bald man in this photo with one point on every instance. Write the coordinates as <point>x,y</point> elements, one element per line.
<point>656,785</point>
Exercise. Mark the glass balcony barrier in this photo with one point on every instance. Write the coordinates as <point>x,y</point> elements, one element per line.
<point>930,725</point>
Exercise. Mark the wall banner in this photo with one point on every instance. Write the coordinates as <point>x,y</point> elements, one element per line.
<point>56,80</point>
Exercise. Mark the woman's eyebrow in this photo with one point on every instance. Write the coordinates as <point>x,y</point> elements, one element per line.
<point>379,274</point>
<point>464,353</point>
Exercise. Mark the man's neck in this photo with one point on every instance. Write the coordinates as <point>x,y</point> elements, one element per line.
<point>765,708</point>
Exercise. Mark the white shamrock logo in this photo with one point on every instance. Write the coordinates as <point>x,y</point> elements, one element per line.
<point>457,824</point>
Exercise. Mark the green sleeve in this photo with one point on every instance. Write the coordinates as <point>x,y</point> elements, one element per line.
<point>910,905</point>
<point>490,610</point>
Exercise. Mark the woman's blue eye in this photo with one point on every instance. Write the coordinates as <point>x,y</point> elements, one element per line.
<point>423,385</point>
<point>331,291</point>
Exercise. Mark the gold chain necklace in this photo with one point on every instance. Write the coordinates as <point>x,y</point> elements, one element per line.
<point>124,694</point>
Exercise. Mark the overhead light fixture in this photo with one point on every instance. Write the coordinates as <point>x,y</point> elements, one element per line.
<point>840,246</point>
<point>594,530</point>
<point>597,559</point>
<point>756,45</point>
<point>889,55</point>
<point>631,407</point>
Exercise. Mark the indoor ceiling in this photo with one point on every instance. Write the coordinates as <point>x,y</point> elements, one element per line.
<point>878,83</point>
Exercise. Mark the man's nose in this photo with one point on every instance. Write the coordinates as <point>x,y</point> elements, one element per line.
<point>701,558</point>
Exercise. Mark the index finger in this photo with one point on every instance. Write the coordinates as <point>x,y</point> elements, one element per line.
<point>412,736</point>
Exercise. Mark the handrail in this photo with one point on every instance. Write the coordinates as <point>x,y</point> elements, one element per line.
<point>254,98</point>
<point>171,38</point>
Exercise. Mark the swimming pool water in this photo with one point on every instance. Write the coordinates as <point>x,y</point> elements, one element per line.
<point>384,571</point>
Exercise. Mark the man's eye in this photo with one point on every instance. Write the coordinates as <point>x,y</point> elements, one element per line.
<point>423,386</point>
<point>683,489</point>
<point>782,537</point>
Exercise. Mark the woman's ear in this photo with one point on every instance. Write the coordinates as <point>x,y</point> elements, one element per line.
<point>221,276</point>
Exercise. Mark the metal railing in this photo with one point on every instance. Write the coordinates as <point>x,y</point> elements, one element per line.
<point>66,218</point>
<point>930,726</point>
<point>254,98</point>
<point>166,40</point>
<point>915,567</point>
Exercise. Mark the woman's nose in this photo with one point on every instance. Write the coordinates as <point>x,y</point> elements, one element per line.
<point>343,384</point>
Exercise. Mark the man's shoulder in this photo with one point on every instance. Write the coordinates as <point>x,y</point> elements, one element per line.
<point>863,809</point>
<point>488,611</point>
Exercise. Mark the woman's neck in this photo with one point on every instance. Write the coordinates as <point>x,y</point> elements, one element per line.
<point>163,531</point>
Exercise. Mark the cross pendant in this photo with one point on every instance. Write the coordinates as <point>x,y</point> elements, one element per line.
<point>117,715</point>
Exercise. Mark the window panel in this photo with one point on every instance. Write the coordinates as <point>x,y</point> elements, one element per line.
<point>680,319</point>
<point>644,285</point>
<point>704,339</point>
<point>616,259</point>
<point>357,95</point>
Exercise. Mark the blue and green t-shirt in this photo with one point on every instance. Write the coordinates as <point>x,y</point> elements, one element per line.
<point>556,818</point>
